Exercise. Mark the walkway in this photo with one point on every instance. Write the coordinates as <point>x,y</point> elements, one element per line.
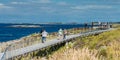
<point>17,52</point>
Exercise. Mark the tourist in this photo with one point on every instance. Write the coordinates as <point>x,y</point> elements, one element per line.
<point>64,33</point>
<point>92,26</point>
<point>41,32</point>
<point>99,25</point>
<point>44,35</point>
<point>86,25</point>
<point>60,34</point>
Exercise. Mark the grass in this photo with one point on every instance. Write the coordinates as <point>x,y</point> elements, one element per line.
<point>101,44</point>
<point>104,46</point>
<point>116,25</point>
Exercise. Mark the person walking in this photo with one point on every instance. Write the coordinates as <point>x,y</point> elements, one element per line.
<point>44,36</point>
<point>92,26</point>
<point>64,33</point>
<point>41,32</point>
<point>60,34</point>
<point>86,26</point>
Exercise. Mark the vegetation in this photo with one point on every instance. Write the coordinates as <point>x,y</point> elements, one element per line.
<point>110,52</point>
<point>116,25</point>
<point>104,46</point>
<point>32,39</point>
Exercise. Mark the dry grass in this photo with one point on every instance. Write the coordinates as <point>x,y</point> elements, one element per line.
<point>113,50</point>
<point>116,25</point>
<point>65,53</point>
<point>75,54</point>
<point>105,46</point>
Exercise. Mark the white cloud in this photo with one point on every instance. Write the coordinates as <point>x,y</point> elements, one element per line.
<point>62,3</point>
<point>91,7</point>
<point>2,6</point>
<point>47,9</point>
<point>41,1</point>
<point>18,3</point>
<point>45,1</point>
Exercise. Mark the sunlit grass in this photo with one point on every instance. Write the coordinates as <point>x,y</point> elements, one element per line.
<point>104,46</point>
<point>116,25</point>
<point>101,47</point>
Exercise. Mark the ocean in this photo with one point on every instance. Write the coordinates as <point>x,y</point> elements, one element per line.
<point>8,33</point>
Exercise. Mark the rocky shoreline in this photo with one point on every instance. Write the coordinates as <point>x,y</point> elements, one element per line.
<point>31,39</point>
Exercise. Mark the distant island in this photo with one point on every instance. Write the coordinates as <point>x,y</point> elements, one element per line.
<point>24,26</point>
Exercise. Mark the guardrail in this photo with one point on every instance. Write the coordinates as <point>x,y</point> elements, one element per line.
<point>17,49</point>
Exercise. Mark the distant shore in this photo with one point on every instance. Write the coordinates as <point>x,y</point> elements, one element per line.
<point>25,26</point>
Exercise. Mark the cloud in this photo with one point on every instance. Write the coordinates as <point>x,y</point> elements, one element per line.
<point>62,3</point>
<point>2,6</point>
<point>45,1</point>
<point>42,1</point>
<point>91,7</point>
<point>18,3</point>
<point>31,2</point>
<point>47,9</point>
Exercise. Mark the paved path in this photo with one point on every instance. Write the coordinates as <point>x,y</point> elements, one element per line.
<point>27,49</point>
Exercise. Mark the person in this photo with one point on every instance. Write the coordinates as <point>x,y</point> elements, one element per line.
<point>86,25</point>
<point>60,33</point>
<point>44,36</point>
<point>92,26</point>
<point>41,32</point>
<point>64,34</point>
<point>99,24</point>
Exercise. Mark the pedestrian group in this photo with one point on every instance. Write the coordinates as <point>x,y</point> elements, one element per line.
<point>61,34</point>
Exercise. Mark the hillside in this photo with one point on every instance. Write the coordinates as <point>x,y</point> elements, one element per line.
<point>104,46</point>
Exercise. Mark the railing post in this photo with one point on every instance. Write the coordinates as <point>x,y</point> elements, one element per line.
<point>4,57</point>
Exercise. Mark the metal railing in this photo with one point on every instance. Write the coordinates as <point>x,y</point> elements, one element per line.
<point>31,40</point>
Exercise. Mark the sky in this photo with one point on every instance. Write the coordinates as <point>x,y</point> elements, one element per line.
<point>42,11</point>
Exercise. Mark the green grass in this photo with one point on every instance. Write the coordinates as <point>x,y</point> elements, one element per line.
<point>104,46</point>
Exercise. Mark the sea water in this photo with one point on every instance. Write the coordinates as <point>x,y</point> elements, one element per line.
<point>8,33</point>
